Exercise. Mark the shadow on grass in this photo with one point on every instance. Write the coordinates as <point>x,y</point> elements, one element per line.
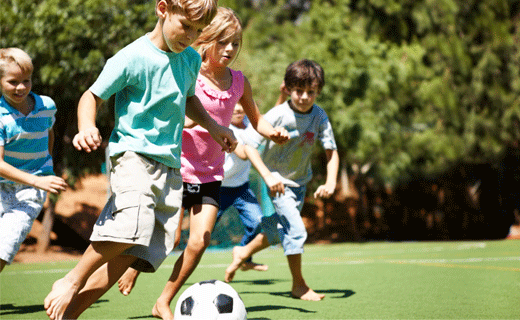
<point>7,309</point>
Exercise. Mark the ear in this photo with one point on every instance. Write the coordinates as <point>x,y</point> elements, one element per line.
<point>161,9</point>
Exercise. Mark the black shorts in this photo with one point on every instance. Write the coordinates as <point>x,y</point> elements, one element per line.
<point>201,193</point>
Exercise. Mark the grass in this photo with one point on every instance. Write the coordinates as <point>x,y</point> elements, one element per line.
<point>375,280</point>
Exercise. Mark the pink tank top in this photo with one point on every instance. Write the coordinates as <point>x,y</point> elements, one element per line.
<point>202,158</point>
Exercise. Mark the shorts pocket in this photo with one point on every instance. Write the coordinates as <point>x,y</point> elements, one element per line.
<point>121,220</point>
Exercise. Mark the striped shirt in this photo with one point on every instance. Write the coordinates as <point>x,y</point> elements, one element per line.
<point>26,138</point>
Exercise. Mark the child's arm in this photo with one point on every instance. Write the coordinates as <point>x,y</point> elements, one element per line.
<point>326,190</point>
<point>283,95</point>
<point>52,184</point>
<point>274,184</point>
<point>278,134</point>
<point>88,138</point>
<point>222,135</point>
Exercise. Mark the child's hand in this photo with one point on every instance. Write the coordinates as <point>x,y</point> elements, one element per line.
<point>225,137</point>
<point>51,184</point>
<point>279,135</point>
<point>324,191</point>
<point>275,185</point>
<point>88,139</point>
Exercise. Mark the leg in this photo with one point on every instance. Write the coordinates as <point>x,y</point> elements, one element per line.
<point>294,234</point>
<point>250,214</point>
<point>98,284</point>
<point>240,254</point>
<point>127,281</point>
<point>2,264</point>
<point>202,220</point>
<point>300,289</point>
<point>66,288</point>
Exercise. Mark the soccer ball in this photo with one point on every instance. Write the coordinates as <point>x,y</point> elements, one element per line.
<point>210,300</point>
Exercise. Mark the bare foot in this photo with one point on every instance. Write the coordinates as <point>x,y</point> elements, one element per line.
<point>127,281</point>
<point>246,266</point>
<point>238,258</point>
<point>306,293</point>
<point>59,298</point>
<point>162,311</point>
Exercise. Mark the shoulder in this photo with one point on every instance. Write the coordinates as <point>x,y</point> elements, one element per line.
<point>192,56</point>
<point>43,103</point>
<point>319,112</point>
<point>237,74</point>
<point>3,107</point>
<point>48,103</point>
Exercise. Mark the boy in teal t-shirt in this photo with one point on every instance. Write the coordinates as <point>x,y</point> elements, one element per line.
<point>153,79</point>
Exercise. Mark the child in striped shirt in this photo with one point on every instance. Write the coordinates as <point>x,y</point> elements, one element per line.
<point>26,140</point>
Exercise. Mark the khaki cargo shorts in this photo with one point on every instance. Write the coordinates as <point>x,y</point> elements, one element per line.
<point>143,209</point>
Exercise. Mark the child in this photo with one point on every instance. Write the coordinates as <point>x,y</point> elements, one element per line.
<point>305,123</point>
<point>235,190</point>
<point>26,141</point>
<point>154,82</point>
<point>219,88</point>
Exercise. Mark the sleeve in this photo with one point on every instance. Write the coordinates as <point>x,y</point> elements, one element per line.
<point>255,139</point>
<point>113,77</point>
<point>2,134</point>
<point>51,106</point>
<point>195,65</point>
<point>326,135</point>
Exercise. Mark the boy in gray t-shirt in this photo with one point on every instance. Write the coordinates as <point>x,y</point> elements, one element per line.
<point>305,122</point>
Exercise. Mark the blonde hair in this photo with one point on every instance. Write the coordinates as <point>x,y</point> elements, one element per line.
<point>225,25</point>
<point>16,56</point>
<point>195,10</point>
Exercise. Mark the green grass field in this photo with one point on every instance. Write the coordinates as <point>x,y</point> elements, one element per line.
<point>375,280</point>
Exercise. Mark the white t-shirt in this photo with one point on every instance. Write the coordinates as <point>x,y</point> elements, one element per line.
<point>236,170</point>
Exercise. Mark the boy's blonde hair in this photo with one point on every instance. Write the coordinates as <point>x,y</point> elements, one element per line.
<point>225,25</point>
<point>16,56</point>
<point>195,10</point>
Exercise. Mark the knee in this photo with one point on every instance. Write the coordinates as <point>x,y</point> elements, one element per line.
<point>199,243</point>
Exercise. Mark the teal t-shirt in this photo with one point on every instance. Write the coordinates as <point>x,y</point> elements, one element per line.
<point>151,87</point>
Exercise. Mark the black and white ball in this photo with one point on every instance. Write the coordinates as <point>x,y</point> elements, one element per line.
<point>210,300</point>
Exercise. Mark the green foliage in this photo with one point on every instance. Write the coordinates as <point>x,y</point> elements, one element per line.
<point>69,42</point>
<point>411,86</point>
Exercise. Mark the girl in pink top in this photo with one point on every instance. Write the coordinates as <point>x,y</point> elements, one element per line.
<point>219,88</point>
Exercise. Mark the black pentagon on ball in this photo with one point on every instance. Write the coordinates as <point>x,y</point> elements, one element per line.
<point>224,303</point>
<point>187,306</point>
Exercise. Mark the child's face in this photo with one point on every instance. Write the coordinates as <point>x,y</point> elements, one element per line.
<point>15,84</point>
<point>302,98</point>
<point>238,116</point>
<point>224,52</point>
<point>178,32</point>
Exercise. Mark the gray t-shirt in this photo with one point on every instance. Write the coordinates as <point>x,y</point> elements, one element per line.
<point>292,160</point>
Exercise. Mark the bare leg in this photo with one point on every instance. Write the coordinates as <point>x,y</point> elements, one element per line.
<point>127,281</point>
<point>98,284</point>
<point>240,254</point>
<point>202,221</point>
<point>63,290</point>
<point>300,289</point>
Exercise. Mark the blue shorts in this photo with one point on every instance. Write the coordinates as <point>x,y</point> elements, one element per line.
<point>244,200</point>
